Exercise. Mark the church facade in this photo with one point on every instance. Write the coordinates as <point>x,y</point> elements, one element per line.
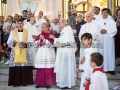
<point>53,8</point>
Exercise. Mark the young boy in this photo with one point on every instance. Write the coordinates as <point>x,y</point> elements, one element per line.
<point>3,55</point>
<point>85,67</point>
<point>98,79</point>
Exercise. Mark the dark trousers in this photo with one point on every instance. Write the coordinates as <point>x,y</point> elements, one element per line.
<point>78,43</point>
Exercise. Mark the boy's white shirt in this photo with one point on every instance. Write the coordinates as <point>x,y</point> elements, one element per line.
<point>98,81</point>
<point>86,65</point>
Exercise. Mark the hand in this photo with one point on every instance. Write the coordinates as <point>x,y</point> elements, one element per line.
<point>94,18</point>
<point>23,44</point>
<point>8,32</point>
<point>33,36</point>
<point>55,31</point>
<point>82,61</point>
<point>78,70</point>
<point>103,31</point>
<point>14,42</point>
<point>12,28</point>
<point>8,28</point>
<point>85,83</point>
<point>41,37</point>
<point>52,37</point>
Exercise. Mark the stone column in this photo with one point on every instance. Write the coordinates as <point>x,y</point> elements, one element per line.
<point>56,8</point>
<point>42,6</point>
<point>50,6</point>
<point>13,7</point>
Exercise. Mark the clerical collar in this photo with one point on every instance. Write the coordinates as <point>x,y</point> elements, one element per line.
<point>20,30</point>
<point>28,20</point>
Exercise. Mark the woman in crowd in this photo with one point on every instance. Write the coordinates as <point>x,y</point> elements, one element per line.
<point>8,27</point>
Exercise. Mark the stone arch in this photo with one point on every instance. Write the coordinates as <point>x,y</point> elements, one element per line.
<point>84,2</point>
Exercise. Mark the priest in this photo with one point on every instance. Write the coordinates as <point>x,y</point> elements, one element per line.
<point>33,32</point>
<point>92,28</point>
<point>65,65</point>
<point>108,31</point>
<point>20,65</point>
<point>96,11</point>
<point>39,21</point>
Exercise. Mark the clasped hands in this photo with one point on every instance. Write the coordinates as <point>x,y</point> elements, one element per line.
<point>103,31</point>
<point>51,37</point>
<point>22,44</point>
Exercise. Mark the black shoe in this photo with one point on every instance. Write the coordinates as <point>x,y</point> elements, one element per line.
<point>112,72</point>
<point>65,88</point>
<point>37,86</point>
<point>47,87</point>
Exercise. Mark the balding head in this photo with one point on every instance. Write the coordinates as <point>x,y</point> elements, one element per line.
<point>89,17</point>
<point>79,17</point>
<point>89,13</point>
<point>62,23</point>
<point>32,20</point>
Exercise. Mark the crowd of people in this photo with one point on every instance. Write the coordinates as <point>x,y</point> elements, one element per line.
<point>49,46</point>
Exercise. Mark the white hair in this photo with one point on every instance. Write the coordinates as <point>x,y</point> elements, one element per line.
<point>89,13</point>
<point>80,14</point>
<point>63,21</point>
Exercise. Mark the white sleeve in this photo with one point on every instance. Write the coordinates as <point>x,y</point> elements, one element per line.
<point>25,26</point>
<point>113,30</point>
<point>14,25</point>
<point>97,34</point>
<point>60,39</point>
<point>4,26</point>
<point>10,39</point>
<point>30,38</point>
<point>81,32</point>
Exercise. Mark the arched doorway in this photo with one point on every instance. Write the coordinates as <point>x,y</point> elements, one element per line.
<point>84,3</point>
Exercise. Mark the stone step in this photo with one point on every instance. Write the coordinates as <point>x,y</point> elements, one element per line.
<point>5,71</point>
<point>3,86</point>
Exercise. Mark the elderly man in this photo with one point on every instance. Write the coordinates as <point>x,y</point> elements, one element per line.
<point>89,27</point>
<point>80,22</point>
<point>39,21</point>
<point>33,32</point>
<point>108,30</point>
<point>65,65</point>
<point>55,27</point>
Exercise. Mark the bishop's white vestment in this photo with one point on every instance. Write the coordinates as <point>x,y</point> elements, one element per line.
<point>94,30</point>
